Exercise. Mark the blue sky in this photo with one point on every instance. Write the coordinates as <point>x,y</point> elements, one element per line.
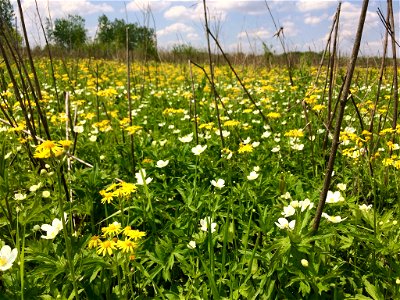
<point>241,25</point>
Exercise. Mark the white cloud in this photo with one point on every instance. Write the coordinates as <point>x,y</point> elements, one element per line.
<point>312,5</point>
<point>144,5</point>
<point>194,12</point>
<point>313,20</point>
<point>260,33</point>
<point>176,28</point>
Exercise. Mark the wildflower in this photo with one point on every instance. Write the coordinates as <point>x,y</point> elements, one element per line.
<point>126,246</point>
<point>397,280</point>
<point>276,149</point>
<point>141,177</point>
<point>256,169</point>
<point>112,230</point>
<point>106,247</point>
<point>20,196</point>
<point>247,140</point>
<point>220,183</point>
<point>288,211</point>
<point>341,186</point>
<point>298,147</point>
<point>243,148</point>
<point>94,242</point>
<point>35,187</point>
<point>45,194</point>
<point>255,144</point>
<point>187,138</point>
<point>162,163</point>
<point>333,219</point>
<point>133,129</point>
<point>198,149</point>
<point>306,203</point>
<point>253,175</point>
<point>93,138</point>
<point>286,196</point>
<point>48,149</point>
<point>135,234</point>
<point>283,223</point>
<point>7,257</point>
<point>295,133</point>
<point>207,221</point>
<point>334,197</point>
<point>53,229</point>
<point>191,245</point>
<point>266,134</point>
<point>365,207</point>
<point>304,263</point>
<point>78,129</point>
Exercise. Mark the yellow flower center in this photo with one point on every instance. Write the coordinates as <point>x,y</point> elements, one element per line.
<point>3,261</point>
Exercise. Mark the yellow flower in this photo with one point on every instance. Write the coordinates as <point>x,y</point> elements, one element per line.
<point>126,246</point>
<point>48,149</point>
<point>112,230</point>
<point>133,129</point>
<point>94,242</point>
<point>106,247</point>
<point>245,148</point>
<point>66,144</point>
<point>231,123</point>
<point>135,234</point>
<point>295,133</point>
<point>274,115</point>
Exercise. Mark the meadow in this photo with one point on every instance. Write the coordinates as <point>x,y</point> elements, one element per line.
<point>191,193</point>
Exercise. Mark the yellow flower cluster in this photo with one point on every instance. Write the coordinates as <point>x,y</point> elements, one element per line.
<point>295,133</point>
<point>117,190</point>
<point>243,148</point>
<point>231,123</point>
<point>274,115</point>
<point>133,129</point>
<point>128,243</point>
<point>172,111</point>
<point>51,149</point>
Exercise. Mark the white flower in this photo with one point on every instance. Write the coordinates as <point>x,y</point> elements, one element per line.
<point>141,177</point>
<point>276,149</point>
<point>220,183</point>
<point>198,149</point>
<point>285,224</point>
<point>288,211</point>
<point>78,129</point>
<point>365,207</point>
<point>266,134</point>
<point>162,142</point>
<point>256,169</point>
<point>45,194</point>
<point>35,187</point>
<point>53,229</point>
<point>286,196</point>
<point>7,155</point>
<point>246,141</point>
<point>333,219</point>
<point>255,144</point>
<point>191,245</point>
<point>20,196</point>
<point>7,257</point>
<point>304,263</point>
<point>294,203</point>
<point>341,186</point>
<point>162,163</point>
<point>187,138</point>
<point>93,138</point>
<point>298,147</point>
<point>204,223</point>
<point>253,175</point>
<point>306,203</point>
<point>334,197</point>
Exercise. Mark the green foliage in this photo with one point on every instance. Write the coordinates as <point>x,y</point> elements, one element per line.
<point>113,35</point>
<point>68,33</point>
<point>6,14</point>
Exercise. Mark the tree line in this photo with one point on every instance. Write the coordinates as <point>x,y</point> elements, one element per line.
<point>70,34</point>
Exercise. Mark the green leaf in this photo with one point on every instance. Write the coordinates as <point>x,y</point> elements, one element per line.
<point>373,290</point>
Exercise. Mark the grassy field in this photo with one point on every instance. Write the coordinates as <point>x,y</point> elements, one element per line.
<point>190,194</point>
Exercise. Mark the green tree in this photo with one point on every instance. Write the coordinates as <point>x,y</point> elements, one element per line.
<point>113,35</point>
<point>68,33</point>
<point>6,14</point>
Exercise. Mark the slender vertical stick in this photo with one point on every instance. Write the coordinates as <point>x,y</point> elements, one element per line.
<point>212,73</point>
<point>128,83</point>
<point>395,79</point>
<point>343,101</point>
<point>194,105</point>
